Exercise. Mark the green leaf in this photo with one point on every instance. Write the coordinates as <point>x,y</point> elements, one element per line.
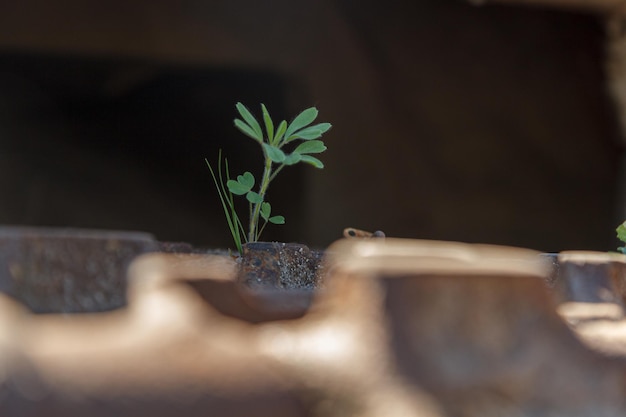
<point>313,146</point>
<point>250,120</point>
<point>303,119</point>
<point>269,125</point>
<point>274,153</point>
<point>621,232</point>
<point>277,220</point>
<point>236,188</point>
<point>254,197</point>
<point>293,158</point>
<point>247,130</point>
<point>243,184</point>
<point>246,179</point>
<point>306,135</point>
<point>312,132</point>
<point>312,161</point>
<point>266,210</point>
<point>282,127</point>
<point>324,127</point>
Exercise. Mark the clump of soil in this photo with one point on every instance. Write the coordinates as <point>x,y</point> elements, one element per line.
<point>290,266</point>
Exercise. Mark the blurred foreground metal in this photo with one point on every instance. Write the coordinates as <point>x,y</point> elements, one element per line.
<point>401,328</point>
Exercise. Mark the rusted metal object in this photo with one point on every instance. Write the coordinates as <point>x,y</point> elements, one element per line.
<point>468,330</point>
<point>402,328</point>
<point>475,327</point>
<point>170,351</point>
<point>53,270</point>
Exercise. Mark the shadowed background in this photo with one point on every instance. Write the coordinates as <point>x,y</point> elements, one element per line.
<point>482,124</point>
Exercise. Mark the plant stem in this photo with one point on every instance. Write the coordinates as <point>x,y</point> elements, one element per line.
<point>276,172</point>
<point>226,198</point>
<point>262,228</point>
<point>256,210</point>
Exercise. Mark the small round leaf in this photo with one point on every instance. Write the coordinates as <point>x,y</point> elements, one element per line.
<point>247,179</point>
<point>266,210</point>
<point>254,197</point>
<point>243,184</point>
<point>236,188</point>
<point>277,220</point>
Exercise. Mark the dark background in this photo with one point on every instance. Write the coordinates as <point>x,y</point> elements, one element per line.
<point>482,124</point>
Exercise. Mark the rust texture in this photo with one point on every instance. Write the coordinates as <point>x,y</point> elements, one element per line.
<point>401,328</point>
<point>68,270</point>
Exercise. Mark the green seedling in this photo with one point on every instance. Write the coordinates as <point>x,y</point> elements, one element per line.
<point>283,145</point>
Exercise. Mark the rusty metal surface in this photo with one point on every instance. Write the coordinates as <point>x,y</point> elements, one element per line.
<point>402,328</point>
<point>169,351</point>
<point>471,328</point>
<point>68,270</point>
